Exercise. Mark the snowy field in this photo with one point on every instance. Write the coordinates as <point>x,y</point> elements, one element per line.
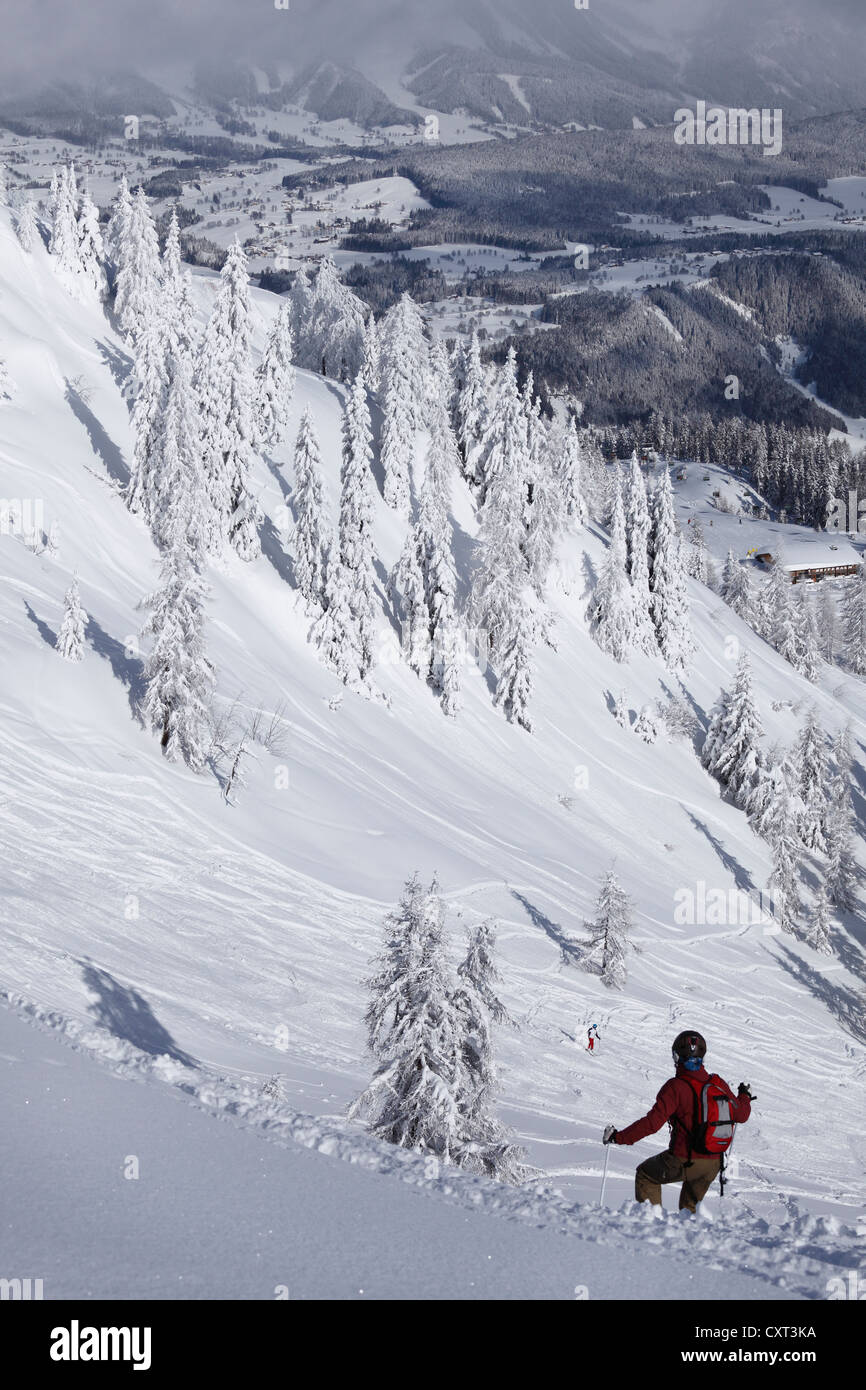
<point>202,948</point>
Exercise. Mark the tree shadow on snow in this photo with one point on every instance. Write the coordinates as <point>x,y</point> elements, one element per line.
<point>118,363</point>
<point>272,549</point>
<point>846,1006</point>
<point>45,632</point>
<point>572,952</point>
<point>276,470</point>
<point>102,443</point>
<point>127,1015</point>
<point>129,670</point>
<point>741,876</point>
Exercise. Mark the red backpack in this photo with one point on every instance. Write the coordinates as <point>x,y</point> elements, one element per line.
<point>713,1129</point>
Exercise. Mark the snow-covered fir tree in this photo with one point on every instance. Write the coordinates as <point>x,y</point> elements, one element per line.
<point>275,379</point>
<point>176,298</point>
<point>645,725</point>
<point>808,661</point>
<point>472,408</point>
<point>356,519</point>
<point>434,542</point>
<point>372,356</point>
<point>149,385</point>
<point>405,394</point>
<point>841,876</point>
<point>514,684</point>
<point>138,276</point>
<point>334,632</point>
<point>669,598</point>
<point>778,622</point>
<point>328,323</point>
<point>854,621</point>
<point>91,250</point>
<point>568,465</point>
<point>408,583</point>
<point>178,500</point>
<point>738,590</point>
<point>780,829</point>
<point>818,929</point>
<point>70,638</point>
<point>64,245</point>
<point>732,750</point>
<point>178,675</point>
<point>813,784</point>
<point>609,932</point>
<point>612,606</point>
<point>637,535</point>
<point>313,536</point>
<point>225,388</point>
<point>697,551</point>
<point>416,1034</point>
<point>431,1038</point>
<point>27,227</point>
<point>118,229</point>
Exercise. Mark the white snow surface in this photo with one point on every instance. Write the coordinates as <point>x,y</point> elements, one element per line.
<point>206,947</point>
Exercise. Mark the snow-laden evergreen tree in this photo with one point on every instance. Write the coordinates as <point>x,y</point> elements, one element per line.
<point>780,830</point>
<point>275,379</point>
<point>225,388</point>
<point>501,571</point>
<point>149,389</point>
<point>405,348</point>
<point>609,931</point>
<point>472,408</point>
<point>313,537</point>
<point>64,235</point>
<point>176,298</point>
<point>138,277</point>
<point>732,750</point>
<point>854,621</point>
<point>405,396</point>
<point>372,356</point>
<point>813,782</point>
<point>416,1033</point>
<point>436,559</point>
<point>808,661</point>
<point>328,324</point>
<point>27,227</point>
<point>818,930</point>
<point>612,607</point>
<point>178,675</point>
<point>408,583</point>
<point>514,684</point>
<point>778,618</point>
<point>91,250</point>
<point>827,621</point>
<point>637,536</point>
<point>489,1147</point>
<point>697,552</point>
<point>842,869</point>
<point>544,509</point>
<point>621,710</point>
<point>645,725</point>
<point>4,189</point>
<point>568,466</point>
<point>70,638</point>
<point>334,632</point>
<point>356,519</point>
<point>177,496</point>
<point>738,590</point>
<point>117,234</point>
<point>669,598</point>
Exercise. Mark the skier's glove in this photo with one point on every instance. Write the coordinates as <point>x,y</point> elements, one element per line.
<point>744,1090</point>
<point>609,1136</point>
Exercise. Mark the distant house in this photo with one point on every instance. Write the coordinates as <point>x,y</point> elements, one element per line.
<point>808,558</point>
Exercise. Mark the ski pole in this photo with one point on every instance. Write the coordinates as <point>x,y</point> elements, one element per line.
<point>604,1174</point>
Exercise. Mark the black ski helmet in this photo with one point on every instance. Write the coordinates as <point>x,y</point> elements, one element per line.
<point>688,1045</point>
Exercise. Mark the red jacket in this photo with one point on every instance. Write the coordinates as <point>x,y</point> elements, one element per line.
<point>675,1103</point>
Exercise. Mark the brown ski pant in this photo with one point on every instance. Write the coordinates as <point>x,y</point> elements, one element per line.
<point>695,1177</point>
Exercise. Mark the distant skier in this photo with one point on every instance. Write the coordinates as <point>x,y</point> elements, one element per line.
<point>701,1110</point>
<point>592,1037</point>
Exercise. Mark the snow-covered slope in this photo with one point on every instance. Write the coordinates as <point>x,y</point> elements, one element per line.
<point>237,938</point>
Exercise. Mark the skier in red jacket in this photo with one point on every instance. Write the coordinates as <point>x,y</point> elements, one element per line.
<point>698,1140</point>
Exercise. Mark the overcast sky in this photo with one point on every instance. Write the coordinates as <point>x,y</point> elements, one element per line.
<point>47,38</point>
